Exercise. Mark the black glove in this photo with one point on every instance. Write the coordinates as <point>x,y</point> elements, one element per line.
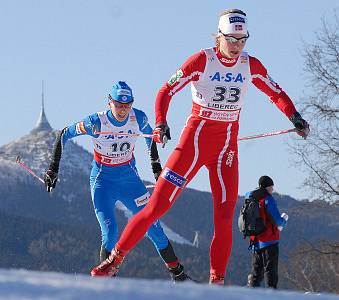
<point>303,129</point>
<point>156,168</point>
<point>50,179</point>
<point>161,134</point>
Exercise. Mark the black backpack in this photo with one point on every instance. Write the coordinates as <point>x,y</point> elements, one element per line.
<point>250,222</point>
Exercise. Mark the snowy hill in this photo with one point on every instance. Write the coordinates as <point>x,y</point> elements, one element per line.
<point>28,285</point>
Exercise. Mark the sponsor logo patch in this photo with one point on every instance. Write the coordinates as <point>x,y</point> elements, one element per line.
<point>238,27</point>
<point>173,178</point>
<point>229,159</point>
<point>80,128</point>
<point>175,77</point>
<point>224,116</point>
<point>228,61</point>
<point>124,92</point>
<point>142,200</point>
<point>236,20</point>
<point>228,77</point>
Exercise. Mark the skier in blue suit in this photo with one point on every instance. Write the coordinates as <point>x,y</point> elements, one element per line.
<point>114,175</point>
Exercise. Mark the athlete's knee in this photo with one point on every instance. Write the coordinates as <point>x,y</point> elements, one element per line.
<point>156,234</point>
<point>226,211</point>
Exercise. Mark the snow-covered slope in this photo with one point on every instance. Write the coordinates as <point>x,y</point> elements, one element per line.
<point>26,285</point>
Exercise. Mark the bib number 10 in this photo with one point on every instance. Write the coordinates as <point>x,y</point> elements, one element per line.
<point>120,147</point>
<point>230,94</point>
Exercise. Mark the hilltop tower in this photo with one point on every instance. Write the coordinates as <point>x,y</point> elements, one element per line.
<point>42,123</point>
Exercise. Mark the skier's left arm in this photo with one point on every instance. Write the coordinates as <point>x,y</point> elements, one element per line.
<point>262,80</point>
<point>145,128</point>
<point>273,211</point>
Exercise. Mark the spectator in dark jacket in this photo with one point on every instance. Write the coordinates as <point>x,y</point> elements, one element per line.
<point>265,246</point>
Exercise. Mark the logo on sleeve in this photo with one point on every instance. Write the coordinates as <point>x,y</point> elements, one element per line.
<point>173,178</point>
<point>175,77</point>
<point>80,128</point>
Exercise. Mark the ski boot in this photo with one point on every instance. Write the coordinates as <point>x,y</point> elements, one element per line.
<point>178,275</point>
<point>110,266</point>
<point>217,279</point>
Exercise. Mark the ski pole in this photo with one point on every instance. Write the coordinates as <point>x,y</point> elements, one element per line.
<point>262,135</point>
<point>95,130</point>
<point>250,137</point>
<point>20,163</point>
<point>124,134</point>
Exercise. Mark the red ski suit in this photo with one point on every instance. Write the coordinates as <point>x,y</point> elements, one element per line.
<point>209,139</point>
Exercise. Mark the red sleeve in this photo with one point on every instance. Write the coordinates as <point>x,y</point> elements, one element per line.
<point>189,71</point>
<point>264,82</point>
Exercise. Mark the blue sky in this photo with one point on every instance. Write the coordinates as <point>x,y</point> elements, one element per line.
<point>80,47</point>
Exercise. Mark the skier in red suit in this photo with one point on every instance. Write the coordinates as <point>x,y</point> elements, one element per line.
<point>219,79</point>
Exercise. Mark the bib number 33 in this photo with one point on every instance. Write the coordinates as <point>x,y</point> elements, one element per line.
<point>230,94</point>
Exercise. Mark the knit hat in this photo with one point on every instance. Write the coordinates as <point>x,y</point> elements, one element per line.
<point>265,181</point>
<point>121,92</point>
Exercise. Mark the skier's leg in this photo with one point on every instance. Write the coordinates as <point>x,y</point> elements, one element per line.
<point>135,199</point>
<point>103,199</point>
<point>178,171</point>
<point>257,269</point>
<point>271,258</point>
<point>180,168</point>
<point>134,195</point>
<point>223,175</point>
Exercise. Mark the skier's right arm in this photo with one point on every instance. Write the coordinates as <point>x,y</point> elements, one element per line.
<point>189,71</point>
<point>84,127</point>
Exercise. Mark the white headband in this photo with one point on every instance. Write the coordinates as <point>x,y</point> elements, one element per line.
<point>232,23</point>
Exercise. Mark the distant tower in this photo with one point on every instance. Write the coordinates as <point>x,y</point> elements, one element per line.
<point>196,239</point>
<point>42,123</point>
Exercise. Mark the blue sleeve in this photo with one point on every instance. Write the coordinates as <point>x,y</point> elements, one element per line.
<point>144,126</point>
<point>273,211</point>
<point>84,127</point>
<point>248,195</point>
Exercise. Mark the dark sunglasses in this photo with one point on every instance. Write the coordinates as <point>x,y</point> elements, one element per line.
<point>118,104</point>
<point>233,39</point>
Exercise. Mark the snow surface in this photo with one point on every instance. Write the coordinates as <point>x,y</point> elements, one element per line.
<point>26,285</point>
